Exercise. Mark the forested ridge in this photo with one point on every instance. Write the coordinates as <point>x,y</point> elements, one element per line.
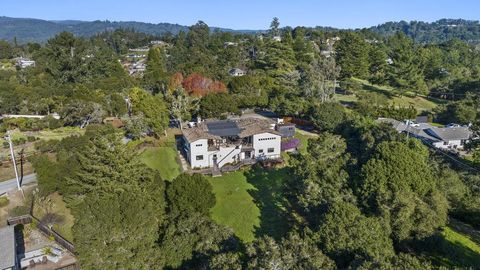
<point>359,195</point>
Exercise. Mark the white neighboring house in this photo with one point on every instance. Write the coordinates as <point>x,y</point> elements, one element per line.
<point>277,38</point>
<point>229,44</point>
<point>449,137</point>
<point>24,63</point>
<point>213,144</point>
<point>236,72</point>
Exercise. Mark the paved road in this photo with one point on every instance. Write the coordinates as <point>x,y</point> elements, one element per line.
<point>12,183</point>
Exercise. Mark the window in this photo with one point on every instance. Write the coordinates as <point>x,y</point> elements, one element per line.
<point>200,157</point>
<point>271,150</point>
<point>198,145</point>
<point>267,139</point>
<point>260,151</point>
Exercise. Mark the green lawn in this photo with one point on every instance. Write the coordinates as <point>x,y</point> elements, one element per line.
<point>235,207</point>
<point>457,248</point>
<point>251,202</point>
<point>163,159</point>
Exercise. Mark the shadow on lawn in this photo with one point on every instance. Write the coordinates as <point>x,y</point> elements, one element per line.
<point>268,196</point>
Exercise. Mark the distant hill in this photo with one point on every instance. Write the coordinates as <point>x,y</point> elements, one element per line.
<point>435,32</point>
<point>35,30</point>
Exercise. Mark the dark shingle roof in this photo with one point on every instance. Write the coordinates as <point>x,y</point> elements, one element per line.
<point>450,134</point>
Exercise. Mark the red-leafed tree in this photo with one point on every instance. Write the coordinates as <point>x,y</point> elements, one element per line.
<point>198,85</point>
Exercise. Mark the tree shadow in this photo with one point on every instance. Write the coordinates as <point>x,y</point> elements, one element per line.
<point>268,195</point>
<point>378,90</point>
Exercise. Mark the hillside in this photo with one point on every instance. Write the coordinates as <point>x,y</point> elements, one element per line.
<point>35,30</point>
<point>435,32</point>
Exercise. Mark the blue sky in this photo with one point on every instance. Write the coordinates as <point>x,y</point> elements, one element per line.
<point>245,14</point>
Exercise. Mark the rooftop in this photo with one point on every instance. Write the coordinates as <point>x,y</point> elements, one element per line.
<point>7,247</point>
<point>430,132</point>
<point>216,129</point>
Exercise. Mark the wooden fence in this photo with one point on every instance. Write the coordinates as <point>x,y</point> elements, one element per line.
<point>26,219</point>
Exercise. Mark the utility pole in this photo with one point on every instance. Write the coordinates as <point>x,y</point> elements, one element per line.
<point>9,139</point>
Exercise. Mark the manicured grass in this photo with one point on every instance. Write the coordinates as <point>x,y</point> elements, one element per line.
<point>251,202</point>
<point>54,204</point>
<point>235,207</point>
<point>163,159</point>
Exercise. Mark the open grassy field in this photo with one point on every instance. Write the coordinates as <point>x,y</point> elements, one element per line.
<point>163,159</point>
<point>251,202</point>
<point>421,103</point>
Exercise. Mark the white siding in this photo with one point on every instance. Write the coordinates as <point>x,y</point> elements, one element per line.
<point>199,148</point>
<point>455,144</point>
<point>226,155</point>
<point>265,141</point>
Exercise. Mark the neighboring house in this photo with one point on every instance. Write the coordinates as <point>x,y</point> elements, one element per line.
<point>236,72</point>
<point>8,251</point>
<point>140,49</point>
<point>137,68</point>
<point>229,44</point>
<point>54,115</point>
<point>158,42</point>
<point>449,137</point>
<point>213,144</point>
<point>287,130</point>
<point>24,63</point>
<point>277,38</point>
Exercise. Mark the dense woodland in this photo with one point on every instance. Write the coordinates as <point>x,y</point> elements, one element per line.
<point>361,197</point>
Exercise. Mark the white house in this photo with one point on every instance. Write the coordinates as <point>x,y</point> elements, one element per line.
<point>213,144</point>
<point>449,137</point>
<point>236,72</point>
<point>24,63</point>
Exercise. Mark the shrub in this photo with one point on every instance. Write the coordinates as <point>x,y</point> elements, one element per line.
<point>290,144</point>
<point>19,211</point>
<point>4,201</point>
<point>19,141</point>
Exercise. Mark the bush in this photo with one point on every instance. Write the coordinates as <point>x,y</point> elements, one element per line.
<point>6,145</point>
<point>19,211</point>
<point>31,138</point>
<point>327,116</point>
<point>19,141</point>
<point>4,201</point>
